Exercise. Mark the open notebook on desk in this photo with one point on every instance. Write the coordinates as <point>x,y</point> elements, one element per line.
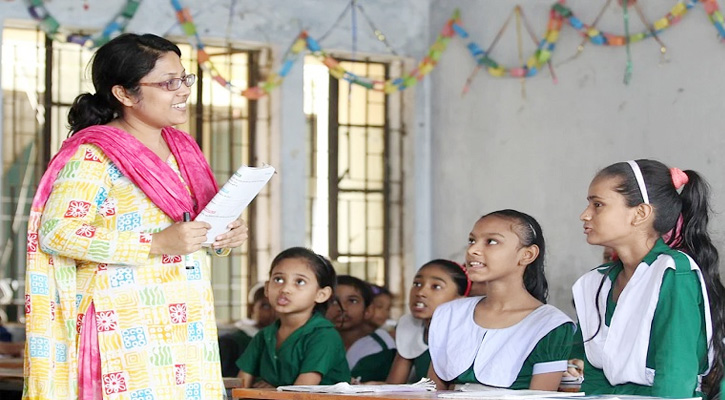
<point>424,385</point>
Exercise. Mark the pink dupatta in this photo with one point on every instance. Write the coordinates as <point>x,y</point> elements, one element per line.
<point>144,168</point>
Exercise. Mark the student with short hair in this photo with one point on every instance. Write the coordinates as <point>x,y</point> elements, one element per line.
<point>369,354</point>
<point>381,305</point>
<point>436,282</point>
<point>301,347</point>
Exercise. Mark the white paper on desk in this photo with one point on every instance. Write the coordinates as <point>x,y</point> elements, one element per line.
<point>228,204</point>
<point>498,393</point>
<point>424,385</point>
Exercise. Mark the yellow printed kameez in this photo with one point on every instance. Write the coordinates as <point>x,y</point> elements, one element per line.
<point>155,318</point>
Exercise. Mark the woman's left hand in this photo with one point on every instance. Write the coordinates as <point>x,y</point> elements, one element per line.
<point>234,238</point>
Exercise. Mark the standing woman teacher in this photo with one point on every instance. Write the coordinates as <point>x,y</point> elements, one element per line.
<point>110,307</point>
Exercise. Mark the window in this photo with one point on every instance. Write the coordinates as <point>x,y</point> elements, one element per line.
<point>39,75</point>
<point>356,180</point>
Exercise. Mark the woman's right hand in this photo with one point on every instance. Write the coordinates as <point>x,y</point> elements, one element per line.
<point>181,238</point>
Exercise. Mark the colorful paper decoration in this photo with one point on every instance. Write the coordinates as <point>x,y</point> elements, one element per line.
<point>558,14</point>
<point>671,18</point>
<point>51,26</point>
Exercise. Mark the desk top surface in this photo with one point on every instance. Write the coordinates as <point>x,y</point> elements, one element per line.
<point>274,394</point>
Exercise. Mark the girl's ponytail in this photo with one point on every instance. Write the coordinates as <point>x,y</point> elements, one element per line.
<point>694,240</point>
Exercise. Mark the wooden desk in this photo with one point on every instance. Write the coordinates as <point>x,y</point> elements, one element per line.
<point>273,394</point>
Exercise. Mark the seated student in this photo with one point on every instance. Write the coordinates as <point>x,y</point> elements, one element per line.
<point>652,320</point>
<point>435,283</point>
<point>232,345</point>
<point>301,347</point>
<point>510,338</point>
<point>381,305</point>
<point>369,354</point>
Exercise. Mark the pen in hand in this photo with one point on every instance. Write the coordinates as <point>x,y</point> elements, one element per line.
<point>188,259</point>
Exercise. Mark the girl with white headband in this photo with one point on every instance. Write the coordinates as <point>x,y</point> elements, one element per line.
<point>651,321</point>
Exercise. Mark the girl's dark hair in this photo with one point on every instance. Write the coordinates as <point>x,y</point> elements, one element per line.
<point>360,285</point>
<point>692,238</point>
<point>380,290</point>
<point>529,232</point>
<point>123,61</point>
<point>455,271</point>
<point>321,266</point>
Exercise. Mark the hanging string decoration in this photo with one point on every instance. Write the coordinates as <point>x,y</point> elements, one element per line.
<point>595,36</point>
<point>305,42</point>
<point>540,57</point>
<point>51,26</point>
<point>183,15</point>
<point>558,15</point>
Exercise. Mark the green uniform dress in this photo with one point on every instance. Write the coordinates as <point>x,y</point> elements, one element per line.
<point>314,347</point>
<point>552,347</point>
<point>421,364</point>
<point>678,347</point>
<point>464,352</point>
<point>410,340</point>
<point>371,357</point>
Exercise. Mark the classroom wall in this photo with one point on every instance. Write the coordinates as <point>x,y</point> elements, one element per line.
<point>495,149</point>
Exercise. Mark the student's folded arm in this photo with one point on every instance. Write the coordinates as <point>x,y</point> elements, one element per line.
<point>246,378</point>
<point>546,381</point>
<point>550,358</point>
<point>308,378</point>
<point>400,370</point>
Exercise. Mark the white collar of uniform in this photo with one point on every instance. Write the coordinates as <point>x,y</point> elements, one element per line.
<point>247,326</point>
<point>366,346</point>
<point>409,337</point>
<point>456,342</point>
<point>620,349</point>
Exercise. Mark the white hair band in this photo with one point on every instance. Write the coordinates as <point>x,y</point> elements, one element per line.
<point>640,180</point>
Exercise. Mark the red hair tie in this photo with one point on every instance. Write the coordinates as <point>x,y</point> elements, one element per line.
<point>679,178</point>
<point>468,280</point>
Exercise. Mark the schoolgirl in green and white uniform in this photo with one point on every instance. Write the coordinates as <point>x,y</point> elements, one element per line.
<point>435,283</point>
<point>510,338</point>
<point>651,321</point>
<point>302,347</point>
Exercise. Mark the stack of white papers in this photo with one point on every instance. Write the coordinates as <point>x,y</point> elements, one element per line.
<point>424,385</point>
<point>228,204</point>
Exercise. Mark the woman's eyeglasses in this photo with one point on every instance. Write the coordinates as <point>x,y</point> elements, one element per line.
<point>172,84</point>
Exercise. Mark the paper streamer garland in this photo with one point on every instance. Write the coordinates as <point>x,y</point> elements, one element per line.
<point>187,25</point>
<point>305,42</point>
<point>671,18</point>
<point>558,14</point>
<point>51,26</point>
